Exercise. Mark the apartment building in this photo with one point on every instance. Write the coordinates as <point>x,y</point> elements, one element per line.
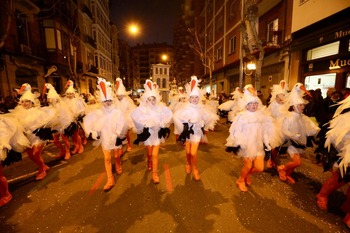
<point>278,36</point>
<point>54,41</point>
<point>146,55</point>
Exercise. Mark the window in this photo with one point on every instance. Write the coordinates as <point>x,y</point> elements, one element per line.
<point>164,83</point>
<point>323,51</point>
<point>322,81</point>
<point>233,9</point>
<point>272,29</point>
<point>219,53</point>
<point>219,24</point>
<point>232,45</point>
<point>22,30</point>
<point>50,38</point>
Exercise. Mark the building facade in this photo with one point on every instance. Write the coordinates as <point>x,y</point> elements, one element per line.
<point>146,55</point>
<point>54,41</point>
<point>273,34</point>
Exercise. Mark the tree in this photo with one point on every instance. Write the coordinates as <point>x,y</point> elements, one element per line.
<point>251,41</point>
<point>6,19</point>
<point>207,58</point>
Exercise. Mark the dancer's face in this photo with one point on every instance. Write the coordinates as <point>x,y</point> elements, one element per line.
<point>299,108</point>
<point>120,97</point>
<point>280,98</point>
<point>70,95</point>
<point>151,100</point>
<point>27,104</point>
<point>252,106</point>
<point>194,99</point>
<point>107,103</point>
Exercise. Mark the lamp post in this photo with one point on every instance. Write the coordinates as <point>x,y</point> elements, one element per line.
<point>131,29</point>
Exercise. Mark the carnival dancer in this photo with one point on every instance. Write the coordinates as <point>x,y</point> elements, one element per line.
<point>12,144</point>
<point>152,119</point>
<point>252,133</point>
<point>296,127</point>
<point>62,123</point>
<point>191,121</point>
<point>105,125</point>
<point>277,109</point>
<point>127,106</point>
<point>78,107</point>
<point>338,146</point>
<point>175,105</point>
<point>232,107</point>
<point>34,120</point>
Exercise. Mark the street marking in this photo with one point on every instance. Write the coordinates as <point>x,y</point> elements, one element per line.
<point>97,184</point>
<point>168,180</point>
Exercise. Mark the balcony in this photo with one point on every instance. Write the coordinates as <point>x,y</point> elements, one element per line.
<point>88,39</point>
<point>87,11</point>
<point>25,49</point>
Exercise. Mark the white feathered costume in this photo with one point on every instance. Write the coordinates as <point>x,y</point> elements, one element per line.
<point>297,126</point>
<point>252,131</point>
<point>197,116</point>
<point>62,116</point>
<point>151,116</point>
<point>339,134</point>
<point>104,124</point>
<point>11,136</point>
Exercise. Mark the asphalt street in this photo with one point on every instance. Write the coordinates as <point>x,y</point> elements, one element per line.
<point>71,199</point>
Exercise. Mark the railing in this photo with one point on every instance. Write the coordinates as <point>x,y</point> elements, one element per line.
<point>90,40</point>
<point>87,11</point>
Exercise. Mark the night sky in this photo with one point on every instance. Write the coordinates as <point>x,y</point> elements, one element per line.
<point>156,17</point>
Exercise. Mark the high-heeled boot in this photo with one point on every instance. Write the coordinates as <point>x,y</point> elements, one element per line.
<point>155,177</point>
<point>56,141</point>
<point>5,195</point>
<point>195,171</point>
<point>188,168</point>
<point>118,165</point>
<point>345,207</point>
<point>110,184</point>
<point>149,162</point>
<point>67,145</point>
<point>329,186</point>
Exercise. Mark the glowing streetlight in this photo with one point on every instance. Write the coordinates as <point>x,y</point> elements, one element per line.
<point>165,57</point>
<point>250,67</point>
<point>133,29</point>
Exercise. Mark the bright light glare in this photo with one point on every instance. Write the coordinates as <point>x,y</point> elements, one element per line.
<point>133,29</point>
<point>164,57</point>
<point>251,66</point>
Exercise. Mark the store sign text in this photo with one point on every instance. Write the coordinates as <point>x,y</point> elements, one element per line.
<point>342,33</point>
<point>338,63</point>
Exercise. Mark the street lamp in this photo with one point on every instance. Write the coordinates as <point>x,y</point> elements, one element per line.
<point>133,29</point>
<point>250,67</point>
<point>165,58</point>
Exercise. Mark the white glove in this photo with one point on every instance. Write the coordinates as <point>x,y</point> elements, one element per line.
<point>3,155</point>
<point>5,146</point>
<point>94,135</point>
<point>343,165</point>
<point>268,147</point>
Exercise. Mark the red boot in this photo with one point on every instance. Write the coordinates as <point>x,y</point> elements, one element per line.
<point>149,162</point>
<point>5,195</point>
<point>118,165</point>
<point>346,220</point>
<point>110,184</point>
<point>329,186</point>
